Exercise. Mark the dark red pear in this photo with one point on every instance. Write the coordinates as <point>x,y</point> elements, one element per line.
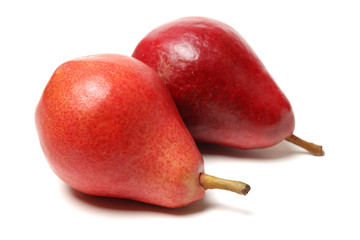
<point>221,88</point>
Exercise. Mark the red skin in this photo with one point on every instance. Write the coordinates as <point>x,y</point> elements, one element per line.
<point>222,90</point>
<point>109,127</point>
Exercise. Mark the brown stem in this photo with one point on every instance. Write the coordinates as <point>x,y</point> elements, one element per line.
<point>211,182</point>
<point>311,147</point>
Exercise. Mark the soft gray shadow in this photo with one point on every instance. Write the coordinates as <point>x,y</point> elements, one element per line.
<point>281,151</point>
<point>232,209</point>
<point>126,205</point>
<point>130,206</point>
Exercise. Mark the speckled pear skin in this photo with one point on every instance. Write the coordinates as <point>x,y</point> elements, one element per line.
<point>221,88</point>
<point>109,127</point>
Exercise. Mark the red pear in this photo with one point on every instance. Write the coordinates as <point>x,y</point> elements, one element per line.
<point>221,88</point>
<point>108,127</point>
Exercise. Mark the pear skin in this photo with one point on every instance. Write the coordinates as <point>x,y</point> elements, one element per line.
<point>223,91</point>
<point>109,127</point>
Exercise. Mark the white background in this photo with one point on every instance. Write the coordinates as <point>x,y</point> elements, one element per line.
<point>311,48</point>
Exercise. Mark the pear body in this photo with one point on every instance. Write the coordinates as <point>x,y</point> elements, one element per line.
<point>109,127</point>
<point>221,88</point>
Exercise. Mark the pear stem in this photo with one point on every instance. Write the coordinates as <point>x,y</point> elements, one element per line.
<point>310,147</point>
<point>211,182</point>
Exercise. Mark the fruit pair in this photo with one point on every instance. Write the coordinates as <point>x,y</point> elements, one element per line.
<point>109,126</point>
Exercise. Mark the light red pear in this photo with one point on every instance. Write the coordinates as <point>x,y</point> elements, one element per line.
<point>221,88</point>
<point>108,127</point>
